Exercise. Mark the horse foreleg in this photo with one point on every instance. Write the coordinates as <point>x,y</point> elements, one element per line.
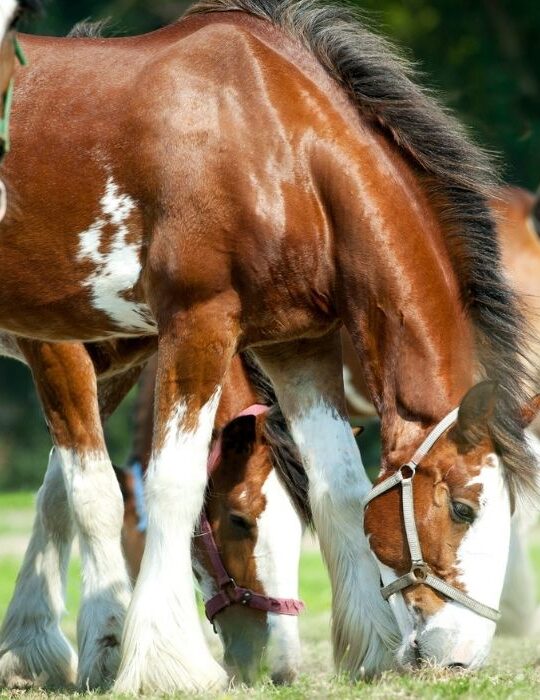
<point>33,649</point>
<point>163,648</point>
<point>307,378</point>
<point>66,382</point>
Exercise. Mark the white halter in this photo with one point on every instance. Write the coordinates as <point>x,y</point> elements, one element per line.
<point>420,572</point>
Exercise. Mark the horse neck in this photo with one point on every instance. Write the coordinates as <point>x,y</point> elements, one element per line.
<point>400,296</point>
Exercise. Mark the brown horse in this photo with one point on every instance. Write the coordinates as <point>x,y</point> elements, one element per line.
<point>257,175</point>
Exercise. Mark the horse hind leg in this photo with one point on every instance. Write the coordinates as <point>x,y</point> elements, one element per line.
<point>33,648</point>
<point>307,377</point>
<point>66,382</point>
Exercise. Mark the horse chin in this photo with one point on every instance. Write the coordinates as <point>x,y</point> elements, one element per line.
<point>453,638</point>
<point>244,634</point>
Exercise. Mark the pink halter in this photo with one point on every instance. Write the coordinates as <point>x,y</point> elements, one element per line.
<point>229,592</point>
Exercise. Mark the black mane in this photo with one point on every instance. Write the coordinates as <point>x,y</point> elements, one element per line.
<point>457,174</point>
<point>285,458</point>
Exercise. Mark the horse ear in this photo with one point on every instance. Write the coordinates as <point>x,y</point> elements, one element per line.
<point>475,410</point>
<point>239,435</point>
<point>530,410</point>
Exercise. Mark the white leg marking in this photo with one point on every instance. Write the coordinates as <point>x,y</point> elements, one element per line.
<point>164,649</point>
<point>519,613</point>
<point>33,649</point>
<point>277,555</point>
<point>518,599</point>
<point>118,269</point>
<point>7,14</point>
<point>364,628</point>
<point>98,510</point>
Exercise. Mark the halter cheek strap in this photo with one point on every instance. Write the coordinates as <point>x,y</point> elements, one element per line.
<point>420,572</point>
<point>229,593</point>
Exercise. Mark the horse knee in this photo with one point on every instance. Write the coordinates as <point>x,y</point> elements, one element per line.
<point>94,494</point>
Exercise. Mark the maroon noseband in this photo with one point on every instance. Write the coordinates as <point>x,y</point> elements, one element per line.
<point>229,592</point>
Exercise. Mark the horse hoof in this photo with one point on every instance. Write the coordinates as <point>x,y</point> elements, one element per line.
<point>166,675</point>
<point>40,664</point>
<point>97,671</point>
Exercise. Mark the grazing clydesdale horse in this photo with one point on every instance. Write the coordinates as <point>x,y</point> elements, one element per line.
<point>258,175</point>
<point>517,213</point>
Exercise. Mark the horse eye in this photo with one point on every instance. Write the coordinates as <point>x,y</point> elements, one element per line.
<point>240,522</point>
<point>463,513</point>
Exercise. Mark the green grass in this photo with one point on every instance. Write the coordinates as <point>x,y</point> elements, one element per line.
<point>513,670</point>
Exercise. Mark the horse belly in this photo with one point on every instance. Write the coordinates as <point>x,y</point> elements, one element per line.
<point>81,284</point>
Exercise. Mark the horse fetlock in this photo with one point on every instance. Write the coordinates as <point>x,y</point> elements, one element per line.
<point>42,659</point>
<point>164,669</point>
<point>100,634</point>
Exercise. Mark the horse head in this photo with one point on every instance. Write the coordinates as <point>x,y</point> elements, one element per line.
<point>257,532</point>
<point>442,553</point>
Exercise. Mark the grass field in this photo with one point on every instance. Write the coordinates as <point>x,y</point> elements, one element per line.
<point>513,670</point>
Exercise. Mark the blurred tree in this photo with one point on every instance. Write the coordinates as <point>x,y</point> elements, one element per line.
<point>481,55</point>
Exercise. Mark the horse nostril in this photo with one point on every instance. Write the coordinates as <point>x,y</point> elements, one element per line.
<point>457,665</point>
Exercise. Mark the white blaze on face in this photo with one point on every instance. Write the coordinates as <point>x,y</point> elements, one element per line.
<point>456,634</point>
<point>162,631</point>
<point>277,554</point>
<point>118,267</point>
<point>7,15</point>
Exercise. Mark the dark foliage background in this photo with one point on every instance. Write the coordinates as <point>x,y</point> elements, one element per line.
<point>482,55</point>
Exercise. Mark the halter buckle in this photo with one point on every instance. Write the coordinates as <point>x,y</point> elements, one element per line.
<point>420,571</point>
<point>410,468</point>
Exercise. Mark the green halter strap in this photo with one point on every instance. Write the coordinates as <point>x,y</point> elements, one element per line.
<point>7,101</point>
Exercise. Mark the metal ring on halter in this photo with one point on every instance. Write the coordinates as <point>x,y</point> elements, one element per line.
<point>412,467</point>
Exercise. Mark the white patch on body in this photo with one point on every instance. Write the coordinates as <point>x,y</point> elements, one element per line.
<point>364,628</point>
<point>163,648</point>
<point>7,15</point>
<point>98,510</point>
<point>116,271</point>
<point>456,634</point>
<point>354,397</point>
<point>277,557</point>
<point>33,648</point>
